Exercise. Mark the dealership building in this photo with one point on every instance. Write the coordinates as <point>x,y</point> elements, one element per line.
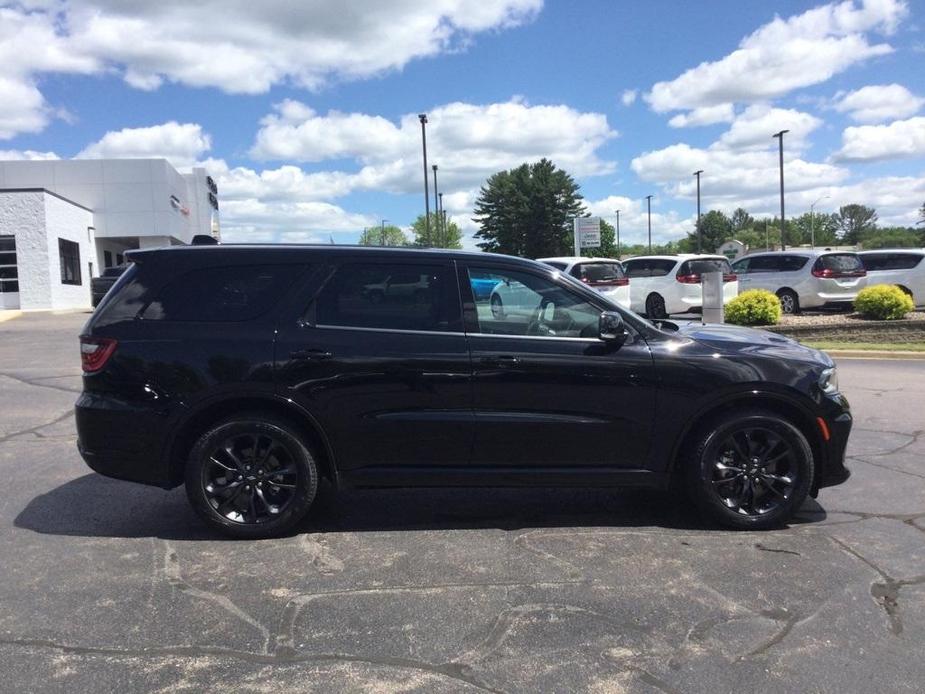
<point>65,221</point>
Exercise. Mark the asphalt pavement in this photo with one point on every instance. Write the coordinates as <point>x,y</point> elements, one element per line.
<point>110,586</point>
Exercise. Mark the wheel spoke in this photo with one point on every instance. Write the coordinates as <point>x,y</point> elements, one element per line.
<point>744,454</point>
<point>272,509</point>
<point>229,449</point>
<point>773,441</point>
<point>783,479</point>
<point>222,465</point>
<point>727,480</point>
<point>227,502</point>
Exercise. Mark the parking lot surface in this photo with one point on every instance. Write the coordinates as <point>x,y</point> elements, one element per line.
<point>110,586</point>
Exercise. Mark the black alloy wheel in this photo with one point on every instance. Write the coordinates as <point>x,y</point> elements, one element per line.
<point>752,472</point>
<point>251,477</point>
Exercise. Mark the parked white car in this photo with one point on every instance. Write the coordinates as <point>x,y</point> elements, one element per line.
<point>664,284</point>
<point>804,278</point>
<point>900,266</point>
<point>603,275</point>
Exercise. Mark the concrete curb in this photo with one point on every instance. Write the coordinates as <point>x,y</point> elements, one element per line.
<point>873,354</point>
<point>9,315</point>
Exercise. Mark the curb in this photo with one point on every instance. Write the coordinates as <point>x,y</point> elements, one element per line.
<point>9,315</point>
<point>873,354</point>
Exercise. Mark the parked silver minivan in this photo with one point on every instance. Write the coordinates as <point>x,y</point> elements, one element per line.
<point>900,266</point>
<point>804,278</point>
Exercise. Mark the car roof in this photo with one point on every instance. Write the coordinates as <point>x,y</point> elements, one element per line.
<point>576,259</point>
<point>806,252</point>
<point>913,251</point>
<point>678,256</point>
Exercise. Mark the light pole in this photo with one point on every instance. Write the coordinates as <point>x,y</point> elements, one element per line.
<point>767,239</point>
<point>649,206</point>
<point>423,118</point>
<point>780,139</point>
<point>699,232</point>
<point>382,232</point>
<point>812,225</point>
<point>618,233</point>
<point>436,208</point>
<point>441,220</point>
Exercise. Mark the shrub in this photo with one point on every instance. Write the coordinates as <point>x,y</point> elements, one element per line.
<point>754,307</point>
<point>883,302</point>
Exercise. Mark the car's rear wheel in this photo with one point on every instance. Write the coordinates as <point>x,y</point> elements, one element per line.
<point>251,477</point>
<point>655,306</point>
<point>497,307</point>
<point>750,470</point>
<point>789,301</point>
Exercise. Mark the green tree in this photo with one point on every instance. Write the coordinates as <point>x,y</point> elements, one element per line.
<point>528,211</point>
<point>440,237</point>
<point>823,226</point>
<point>715,227</point>
<point>741,220</point>
<point>922,214</point>
<point>390,235</point>
<point>891,237</point>
<point>753,238</point>
<point>854,221</point>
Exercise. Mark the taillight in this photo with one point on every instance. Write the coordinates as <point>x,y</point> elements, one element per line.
<point>825,272</point>
<point>689,279</point>
<point>730,277</point>
<point>95,352</point>
<point>834,274</point>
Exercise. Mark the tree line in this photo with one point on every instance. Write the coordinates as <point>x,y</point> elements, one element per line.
<point>441,236</point>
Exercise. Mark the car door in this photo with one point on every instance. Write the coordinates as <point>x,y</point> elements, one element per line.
<point>547,393</point>
<point>387,379</point>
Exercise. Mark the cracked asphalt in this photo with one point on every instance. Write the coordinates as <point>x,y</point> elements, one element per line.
<point>110,586</point>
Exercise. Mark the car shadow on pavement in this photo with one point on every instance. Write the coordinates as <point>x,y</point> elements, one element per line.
<point>96,506</point>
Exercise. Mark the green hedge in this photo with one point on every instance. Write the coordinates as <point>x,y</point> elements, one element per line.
<point>754,307</point>
<point>883,302</point>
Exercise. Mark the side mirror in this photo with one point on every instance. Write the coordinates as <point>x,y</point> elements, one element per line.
<point>611,328</point>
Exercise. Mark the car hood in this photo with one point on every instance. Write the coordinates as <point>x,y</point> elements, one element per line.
<point>732,339</point>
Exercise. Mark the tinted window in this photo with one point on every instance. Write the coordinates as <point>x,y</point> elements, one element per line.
<point>390,297</point>
<point>9,272</point>
<point>703,265</point>
<point>764,263</point>
<point>891,261</point>
<point>636,268</point>
<point>648,267</point>
<point>558,264</point>
<point>598,272</point>
<point>741,266</point>
<point>840,262</point>
<point>792,263</point>
<point>524,304</point>
<point>236,293</point>
<point>69,257</point>
<point>660,268</point>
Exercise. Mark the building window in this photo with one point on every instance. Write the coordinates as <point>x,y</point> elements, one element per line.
<point>120,259</point>
<point>9,272</point>
<point>107,258</point>
<point>69,255</point>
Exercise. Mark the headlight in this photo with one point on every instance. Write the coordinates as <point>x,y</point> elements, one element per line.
<point>828,381</point>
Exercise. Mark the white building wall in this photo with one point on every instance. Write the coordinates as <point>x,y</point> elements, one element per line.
<point>23,216</point>
<point>64,220</point>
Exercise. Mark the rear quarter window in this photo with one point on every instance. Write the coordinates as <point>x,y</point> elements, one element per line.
<point>221,294</point>
<point>891,261</point>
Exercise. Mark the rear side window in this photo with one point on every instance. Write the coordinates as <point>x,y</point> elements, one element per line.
<point>839,262</point>
<point>593,273</point>
<point>390,297</point>
<point>648,267</point>
<point>792,263</point>
<point>558,264</point>
<point>891,261</point>
<point>764,263</point>
<point>704,265</point>
<point>222,294</point>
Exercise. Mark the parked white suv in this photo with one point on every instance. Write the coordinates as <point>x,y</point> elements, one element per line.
<point>603,275</point>
<point>900,266</point>
<point>804,278</point>
<point>664,284</point>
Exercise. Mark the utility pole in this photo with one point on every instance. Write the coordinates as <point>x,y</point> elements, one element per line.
<point>441,218</point>
<point>618,233</point>
<point>436,210</point>
<point>649,206</point>
<point>780,138</point>
<point>423,118</point>
<point>699,232</point>
<point>812,220</point>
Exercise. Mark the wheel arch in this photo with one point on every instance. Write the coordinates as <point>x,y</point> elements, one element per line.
<point>198,421</point>
<point>785,406</point>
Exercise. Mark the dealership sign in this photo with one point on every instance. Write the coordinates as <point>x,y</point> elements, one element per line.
<point>587,233</point>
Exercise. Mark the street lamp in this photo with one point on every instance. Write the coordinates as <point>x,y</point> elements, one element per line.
<point>649,206</point>
<point>699,232</point>
<point>423,118</point>
<point>780,139</point>
<point>436,207</point>
<point>812,226</point>
<point>441,220</point>
<point>618,233</point>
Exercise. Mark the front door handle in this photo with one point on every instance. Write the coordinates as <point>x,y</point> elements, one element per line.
<point>500,360</point>
<point>310,355</point>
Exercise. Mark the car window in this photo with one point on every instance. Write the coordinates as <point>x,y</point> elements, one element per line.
<point>660,268</point>
<point>741,266</point>
<point>700,266</point>
<point>891,261</point>
<point>792,263</point>
<point>558,264</point>
<point>598,273</point>
<point>389,297</point>
<point>524,304</point>
<point>636,268</point>
<point>218,294</point>
<point>840,262</point>
<point>764,263</point>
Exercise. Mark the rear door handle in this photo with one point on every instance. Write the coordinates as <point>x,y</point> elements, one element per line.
<point>310,355</point>
<point>500,360</point>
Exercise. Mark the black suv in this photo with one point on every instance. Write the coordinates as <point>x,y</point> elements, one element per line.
<point>248,373</point>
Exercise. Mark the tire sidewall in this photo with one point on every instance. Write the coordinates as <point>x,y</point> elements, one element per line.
<point>699,472</point>
<point>307,475</point>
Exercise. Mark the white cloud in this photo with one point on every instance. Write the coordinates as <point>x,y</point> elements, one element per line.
<point>754,127</point>
<point>628,97</point>
<point>704,115</point>
<point>180,143</point>
<point>467,141</point>
<point>634,219</point>
<point>25,155</point>
<point>899,140</point>
<point>879,103</point>
<point>784,55</point>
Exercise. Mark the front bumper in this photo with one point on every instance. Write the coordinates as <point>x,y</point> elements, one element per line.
<point>837,417</point>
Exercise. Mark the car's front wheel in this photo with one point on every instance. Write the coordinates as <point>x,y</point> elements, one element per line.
<point>749,470</point>
<point>251,477</point>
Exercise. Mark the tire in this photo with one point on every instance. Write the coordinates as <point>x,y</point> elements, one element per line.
<point>230,480</point>
<point>497,307</point>
<point>655,306</point>
<point>789,301</point>
<point>730,487</point>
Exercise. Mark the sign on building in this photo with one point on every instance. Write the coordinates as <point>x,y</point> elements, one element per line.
<point>587,233</point>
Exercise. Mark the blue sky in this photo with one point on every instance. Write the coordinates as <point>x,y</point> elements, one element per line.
<point>304,112</point>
